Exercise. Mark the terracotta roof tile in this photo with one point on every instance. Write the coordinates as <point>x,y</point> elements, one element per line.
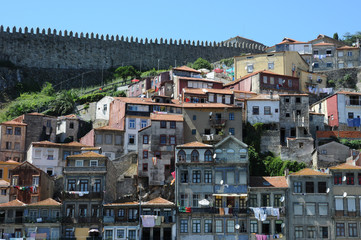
<point>266,182</point>
<point>345,166</point>
<point>45,143</point>
<point>267,97</point>
<point>323,44</point>
<point>194,144</point>
<point>74,144</point>
<point>348,48</point>
<point>13,203</point>
<point>4,183</point>
<point>13,122</point>
<point>159,201</point>
<point>290,40</point>
<point>87,155</point>
<point>166,117</point>
<point>207,105</point>
<point>338,134</point>
<point>46,202</point>
<point>10,162</point>
<point>309,172</point>
<point>187,69</point>
<point>348,93</point>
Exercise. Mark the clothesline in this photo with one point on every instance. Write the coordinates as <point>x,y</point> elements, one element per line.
<point>261,213</point>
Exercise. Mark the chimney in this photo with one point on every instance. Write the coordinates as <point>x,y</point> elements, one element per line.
<point>286,172</point>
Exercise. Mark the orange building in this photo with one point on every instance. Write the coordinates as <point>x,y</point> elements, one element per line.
<point>12,138</point>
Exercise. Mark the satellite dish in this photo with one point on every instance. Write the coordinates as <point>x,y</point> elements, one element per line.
<point>344,178</point>
<point>327,190</point>
<point>204,202</point>
<point>214,155</point>
<point>344,194</point>
<point>237,226</point>
<point>221,182</point>
<point>283,225</point>
<point>284,80</point>
<point>282,199</point>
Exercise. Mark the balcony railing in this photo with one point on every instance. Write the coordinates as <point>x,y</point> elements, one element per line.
<point>219,122</point>
<point>81,220</point>
<point>42,219</point>
<point>12,220</point>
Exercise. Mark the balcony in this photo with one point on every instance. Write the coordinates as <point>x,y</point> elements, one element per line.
<point>74,220</point>
<point>218,123</point>
<point>90,195</point>
<point>301,121</point>
<point>12,220</point>
<point>41,220</point>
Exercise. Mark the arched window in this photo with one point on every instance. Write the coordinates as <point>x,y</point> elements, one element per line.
<point>208,156</point>
<point>181,156</point>
<point>194,156</point>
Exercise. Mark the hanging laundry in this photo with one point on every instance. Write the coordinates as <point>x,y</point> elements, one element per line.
<point>356,122</point>
<point>158,220</point>
<point>173,174</point>
<point>350,122</point>
<point>182,209</point>
<point>188,209</point>
<point>148,220</point>
<point>154,159</point>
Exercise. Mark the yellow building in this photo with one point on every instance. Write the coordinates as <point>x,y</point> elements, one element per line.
<point>285,63</point>
<point>5,167</point>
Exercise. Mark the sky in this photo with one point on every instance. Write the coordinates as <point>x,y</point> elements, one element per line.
<point>264,21</point>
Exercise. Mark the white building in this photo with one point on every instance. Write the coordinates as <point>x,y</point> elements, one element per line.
<point>102,111</point>
<point>263,108</point>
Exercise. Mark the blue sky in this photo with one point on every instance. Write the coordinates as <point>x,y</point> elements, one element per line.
<point>264,21</point>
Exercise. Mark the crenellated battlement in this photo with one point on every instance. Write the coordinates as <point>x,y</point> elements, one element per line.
<point>65,49</point>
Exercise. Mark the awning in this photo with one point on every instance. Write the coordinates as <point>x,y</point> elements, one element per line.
<point>230,194</point>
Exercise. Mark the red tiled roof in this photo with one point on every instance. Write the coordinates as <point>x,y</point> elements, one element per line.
<point>74,144</point>
<point>13,122</point>
<point>265,182</point>
<point>159,201</point>
<point>347,48</point>
<point>187,69</point>
<point>4,183</point>
<point>309,172</point>
<point>194,145</point>
<point>290,40</point>
<point>13,203</point>
<point>323,44</point>
<point>207,105</point>
<point>348,93</point>
<point>10,162</point>
<point>109,128</point>
<point>166,117</point>
<point>46,202</point>
<point>339,134</point>
<point>87,155</point>
<point>267,97</point>
<point>345,166</point>
<point>45,143</point>
<point>239,91</point>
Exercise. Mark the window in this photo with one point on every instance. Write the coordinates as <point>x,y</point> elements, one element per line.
<point>311,232</point>
<point>340,229</point>
<point>297,187</point>
<point>172,140</point>
<point>196,176</point>
<point>340,53</point>
<point>133,214</point>
<point>9,130</point>
<point>108,139</point>
<point>230,226</point>
<point>8,145</point>
<point>359,179</point>
<point>1,173</point>
<point>231,131</point>
<point>97,185</point>
<point>145,139</point>
<point>267,110</point>
<point>195,200</point>
<point>265,80</point>
<point>219,226</point>
<point>328,52</point>
<point>278,226</point>
<point>143,123</point>
<point>93,163</point>
<point>84,185</point>
<point>17,131</point>
<point>351,204</point>
<point>329,64</point>
<point>324,232</point>
<point>208,225</point>
<point>98,139</point>
<point>78,163</point>
<point>183,225</point>
<point>252,200</point>
<point>38,154</point>
<point>255,110</point>
<point>350,115</point>
<point>196,226</point>
<point>349,54</point>
<point>208,176</point>
<point>219,177</point>
<point>316,65</point>
<point>254,227</point>
<point>131,139</point>
<point>352,229</point>
<point>184,176</point>
<point>71,184</point>
<point>195,156</point>
<point>50,155</point>
<point>181,156</point>
<point>3,192</point>
<point>323,209</point>
<point>163,124</point>
<point>231,116</point>
<point>118,140</point>
<point>337,178</point>
<point>194,131</point>
<point>298,208</point>
<point>172,124</point>
<point>184,200</point>
<point>277,200</point>
<point>310,187</point>
<point>132,234</point>
<point>265,200</point>
<point>321,187</point>
<point>158,154</point>
<point>339,203</point>
<point>35,180</point>
<point>350,179</point>
<point>272,80</point>
<point>310,209</point>
<point>298,232</point>
<point>250,68</point>
<point>289,83</point>
<point>145,167</point>
<point>145,154</point>
<point>208,156</point>
<point>83,210</point>
<point>132,123</point>
<point>17,146</point>
<point>230,177</point>
<point>340,65</point>
<point>271,65</point>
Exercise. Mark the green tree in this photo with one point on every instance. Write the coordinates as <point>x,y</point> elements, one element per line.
<point>335,36</point>
<point>351,38</point>
<point>47,89</point>
<point>126,72</point>
<point>63,103</point>
<point>201,63</point>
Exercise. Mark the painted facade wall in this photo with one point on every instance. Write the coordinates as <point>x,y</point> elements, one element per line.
<point>103,108</point>
<point>261,117</point>
<point>332,111</point>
